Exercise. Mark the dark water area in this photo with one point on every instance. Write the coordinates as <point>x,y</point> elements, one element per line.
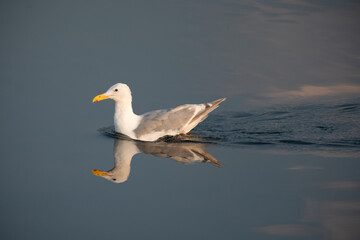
<point>282,173</point>
<point>322,127</point>
<point>310,127</point>
<point>278,173</point>
<point>279,159</point>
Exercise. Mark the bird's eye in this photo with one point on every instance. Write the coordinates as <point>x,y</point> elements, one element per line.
<point>114,179</point>
<point>116,90</point>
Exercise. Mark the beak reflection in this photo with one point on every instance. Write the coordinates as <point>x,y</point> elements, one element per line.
<point>182,152</point>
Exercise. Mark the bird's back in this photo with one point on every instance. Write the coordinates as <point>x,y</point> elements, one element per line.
<point>182,119</point>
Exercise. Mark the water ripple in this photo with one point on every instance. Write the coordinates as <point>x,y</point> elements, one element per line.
<point>310,127</point>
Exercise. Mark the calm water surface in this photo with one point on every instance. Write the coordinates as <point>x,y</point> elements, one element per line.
<point>278,160</point>
<point>220,182</point>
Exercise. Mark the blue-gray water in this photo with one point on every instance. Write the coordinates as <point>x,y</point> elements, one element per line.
<point>278,160</point>
<point>281,179</point>
<point>313,127</point>
<point>321,127</point>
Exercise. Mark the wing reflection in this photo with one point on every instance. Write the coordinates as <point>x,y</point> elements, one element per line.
<point>124,150</point>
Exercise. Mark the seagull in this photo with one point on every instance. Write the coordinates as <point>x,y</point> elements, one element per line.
<point>124,151</point>
<point>155,124</point>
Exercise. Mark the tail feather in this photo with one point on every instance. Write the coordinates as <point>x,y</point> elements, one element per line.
<point>217,102</point>
<point>209,107</point>
<point>207,157</point>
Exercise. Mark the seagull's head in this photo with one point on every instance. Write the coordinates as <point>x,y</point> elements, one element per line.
<point>117,177</point>
<point>119,92</point>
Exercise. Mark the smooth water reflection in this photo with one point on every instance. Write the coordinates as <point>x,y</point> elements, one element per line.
<point>328,219</point>
<point>291,173</point>
<point>276,195</point>
<point>124,151</point>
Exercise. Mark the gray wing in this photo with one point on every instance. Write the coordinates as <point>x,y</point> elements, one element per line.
<point>165,120</point>
<point>180,152</point>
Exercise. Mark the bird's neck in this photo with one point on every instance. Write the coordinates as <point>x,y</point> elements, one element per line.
<point>125,120</point>
<point>123,153</point>
<point>124,107</point>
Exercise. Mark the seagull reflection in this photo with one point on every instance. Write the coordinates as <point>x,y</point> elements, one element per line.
<point>124,150</point>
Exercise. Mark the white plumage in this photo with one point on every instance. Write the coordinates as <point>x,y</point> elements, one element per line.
<point>156,124</point>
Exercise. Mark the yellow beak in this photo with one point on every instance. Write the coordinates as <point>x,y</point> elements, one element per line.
<point>99,173</point>
<point>100,97</point>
